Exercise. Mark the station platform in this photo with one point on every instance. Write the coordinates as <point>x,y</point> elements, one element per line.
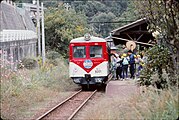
<point>122,89</point>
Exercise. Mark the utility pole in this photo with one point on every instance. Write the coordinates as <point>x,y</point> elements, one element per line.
<point>38,29</point>
<point>43,34</point>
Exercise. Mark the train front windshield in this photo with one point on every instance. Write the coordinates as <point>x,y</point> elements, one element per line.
<point>95,51</point>
<point>79,51</point>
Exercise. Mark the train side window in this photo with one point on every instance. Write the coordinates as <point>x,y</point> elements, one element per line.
<point>79,52</point>
<point>95,51</point>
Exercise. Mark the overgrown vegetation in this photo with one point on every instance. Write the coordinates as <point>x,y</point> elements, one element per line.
<point>164,23</point>
<point>157,70</point>
<point>28,63</point>
<point>22,89</point>
<point>152,104</point>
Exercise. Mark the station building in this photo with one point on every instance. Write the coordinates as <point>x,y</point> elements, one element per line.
<point>18,37</point>
<point>137,32</point>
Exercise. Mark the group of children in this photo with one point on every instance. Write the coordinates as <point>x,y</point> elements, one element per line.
<point>127,61</point>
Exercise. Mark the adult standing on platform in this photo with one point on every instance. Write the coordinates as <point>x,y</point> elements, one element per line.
<point>131,63</point>
<point>125,63</point>
<point>113,57</point>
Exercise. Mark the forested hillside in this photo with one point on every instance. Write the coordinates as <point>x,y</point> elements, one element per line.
<point>68,19</point>
<point>102,15</point>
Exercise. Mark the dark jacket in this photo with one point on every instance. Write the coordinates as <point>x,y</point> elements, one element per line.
<point>131,59</point>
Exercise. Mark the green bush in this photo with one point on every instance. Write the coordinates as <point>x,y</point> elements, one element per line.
<point>158,69</point>
<point>29,63</point>
<point>52,55</point>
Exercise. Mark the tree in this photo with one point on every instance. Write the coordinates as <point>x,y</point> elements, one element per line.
<point>163,17</point>
<point>101,11</point>
<point>61,26</point>
<point>103,28</point>
<point>90,8</point>
<point>130,14</point>
<point>117,7</point>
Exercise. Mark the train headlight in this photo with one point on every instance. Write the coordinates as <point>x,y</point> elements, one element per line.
<point>98,80</point>
<point>87,36</point>
<point>76,80</point>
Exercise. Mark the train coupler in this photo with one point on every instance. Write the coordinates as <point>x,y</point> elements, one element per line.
<point>87,77</point>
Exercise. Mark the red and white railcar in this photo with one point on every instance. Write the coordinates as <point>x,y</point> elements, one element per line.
<point>88,60</point>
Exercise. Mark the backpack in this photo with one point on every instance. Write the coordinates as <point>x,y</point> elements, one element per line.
<point>132,59</point>
<point>125,61</point>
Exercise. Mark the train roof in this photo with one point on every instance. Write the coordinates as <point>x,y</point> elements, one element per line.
<point>92,39</point>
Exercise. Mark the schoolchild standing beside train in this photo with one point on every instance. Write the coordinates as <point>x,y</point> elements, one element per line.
<point>125,63</point>
<point>119,67</point>
<point>139,64</point>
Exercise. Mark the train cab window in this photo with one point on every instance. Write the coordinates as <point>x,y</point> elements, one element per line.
<point>95,51</point>
<point>79,52</point>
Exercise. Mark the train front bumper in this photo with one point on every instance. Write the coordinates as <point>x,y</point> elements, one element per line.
<point>89,80</point>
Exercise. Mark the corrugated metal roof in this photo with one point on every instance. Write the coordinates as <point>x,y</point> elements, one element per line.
<point>13,18</point>
<point>130,25</point>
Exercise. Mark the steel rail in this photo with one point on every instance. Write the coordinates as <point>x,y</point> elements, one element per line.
<point>44,115</point>
<point>76,111</point>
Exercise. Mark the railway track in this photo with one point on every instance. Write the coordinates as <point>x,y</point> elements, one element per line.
<point>68,108</point>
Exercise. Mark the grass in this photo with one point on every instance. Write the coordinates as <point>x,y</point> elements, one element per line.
<point>23,89</point>
<point>149,105</point>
